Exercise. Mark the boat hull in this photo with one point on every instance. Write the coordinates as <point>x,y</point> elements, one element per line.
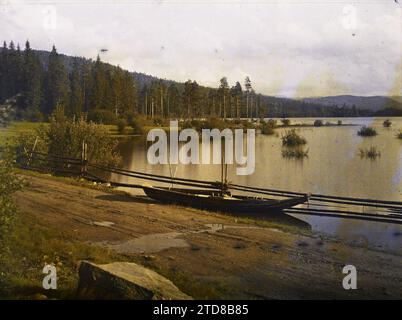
<point>205,199</point>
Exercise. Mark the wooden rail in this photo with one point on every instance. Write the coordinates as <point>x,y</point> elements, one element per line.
<point>391,211</point>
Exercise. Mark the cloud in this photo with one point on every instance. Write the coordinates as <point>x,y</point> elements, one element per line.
<point>293,49</point>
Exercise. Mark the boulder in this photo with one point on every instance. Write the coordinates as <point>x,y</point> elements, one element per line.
<point>124,280</point>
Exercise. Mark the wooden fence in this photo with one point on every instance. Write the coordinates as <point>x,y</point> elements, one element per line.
<point>319,205</point>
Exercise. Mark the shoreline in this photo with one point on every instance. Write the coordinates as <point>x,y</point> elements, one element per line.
<point>207,255</point>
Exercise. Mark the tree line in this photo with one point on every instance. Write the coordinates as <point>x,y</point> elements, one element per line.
<point>106,93</point>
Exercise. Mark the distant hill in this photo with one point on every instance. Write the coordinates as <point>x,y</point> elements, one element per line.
<point>372,103</point>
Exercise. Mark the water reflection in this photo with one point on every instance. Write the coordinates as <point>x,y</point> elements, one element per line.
<point>333,166</point>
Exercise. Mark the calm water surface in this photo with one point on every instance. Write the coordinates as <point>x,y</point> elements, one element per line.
<point>333,167</point>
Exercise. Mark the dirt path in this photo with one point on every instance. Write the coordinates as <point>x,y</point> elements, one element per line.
<point>232,257</point>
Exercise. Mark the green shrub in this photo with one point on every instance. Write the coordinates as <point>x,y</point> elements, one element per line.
<point>268,127</point>
<point>9,183</point>
<point>387,123</point>
<point>367,132</point>
<point>339,122</point>
<point>64,137</point>
<point>272,123</point>
<point>291,139</point>
<point>137,126</point>
<point>102,116</point>
<point>285,122</point>
<point>318,123</point>
<point>121,126</point>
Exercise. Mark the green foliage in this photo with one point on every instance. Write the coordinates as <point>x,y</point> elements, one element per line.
<point>387,123</point>
<point>102,116</point>
<point>291,138</point>
<point>9,183</point>
<point>64,137</point>
<point>371,153</point>
<point>137,123</point>
<point>318,123</point>
<point>121,126</point>
<point>268,127</point>
<point>285,122</point>
<point>367,132</point>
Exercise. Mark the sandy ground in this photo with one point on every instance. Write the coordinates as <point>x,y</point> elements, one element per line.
<point>235,258</point>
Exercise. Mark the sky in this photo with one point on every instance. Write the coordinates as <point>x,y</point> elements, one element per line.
<point>287,47</point>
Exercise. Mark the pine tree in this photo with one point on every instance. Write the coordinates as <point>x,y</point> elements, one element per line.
<point>223,91</point>
<point>57,84</point>
<point>76,105</point>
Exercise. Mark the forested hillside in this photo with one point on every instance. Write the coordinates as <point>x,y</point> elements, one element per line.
<point>36,82</point>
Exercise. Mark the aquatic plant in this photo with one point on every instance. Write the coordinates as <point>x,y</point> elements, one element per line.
<point>297,153</point>
<point>292,139</point>
<point>371,153</point>
<point>367,132</point>
<point>387,123</point>
<point>268,127</point>
<point>318,123</point>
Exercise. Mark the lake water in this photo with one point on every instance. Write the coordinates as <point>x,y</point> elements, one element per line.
<point>333,167</point>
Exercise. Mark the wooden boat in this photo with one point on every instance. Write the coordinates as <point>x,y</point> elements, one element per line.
<point>217,200</point>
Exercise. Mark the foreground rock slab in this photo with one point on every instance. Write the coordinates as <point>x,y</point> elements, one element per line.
<point>125,280</point>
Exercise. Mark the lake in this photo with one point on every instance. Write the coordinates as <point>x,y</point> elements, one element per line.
<point>333,167</point>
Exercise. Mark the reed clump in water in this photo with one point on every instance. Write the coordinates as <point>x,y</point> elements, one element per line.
<point>297,153</point>
<point>293,139</point>
<point>371,153</point>
<point>268,127</point>
<point>367,132</point>
<point>387,123</point>
<point>318,123</point>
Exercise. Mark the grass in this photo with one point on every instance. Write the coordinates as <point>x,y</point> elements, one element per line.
<point>14,129</point>
<point>367,132</point>
<point>399,134</point>
<point>30,247</point>
<point>291,139</point>
<point>370,153</point>
<point>297,153</point>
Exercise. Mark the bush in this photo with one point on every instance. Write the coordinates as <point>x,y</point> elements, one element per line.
<point>64,137</point>
<point>318,123</point>
<point>339,122</point>
<point>102,116</point>
<point>268,127</point>
<point>9,183</point>
<point>291,139</point>
<point>387,123</point>
<point>121,126</point>
<point>286,122</point>
<point>272,123</point>
<point>367,132</point>
<point>399,134</point>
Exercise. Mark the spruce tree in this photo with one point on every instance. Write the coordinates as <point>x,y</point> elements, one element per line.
<point>57,84</point>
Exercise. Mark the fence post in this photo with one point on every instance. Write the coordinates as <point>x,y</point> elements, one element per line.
<point>84,158</point>
<point>32,151</point>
